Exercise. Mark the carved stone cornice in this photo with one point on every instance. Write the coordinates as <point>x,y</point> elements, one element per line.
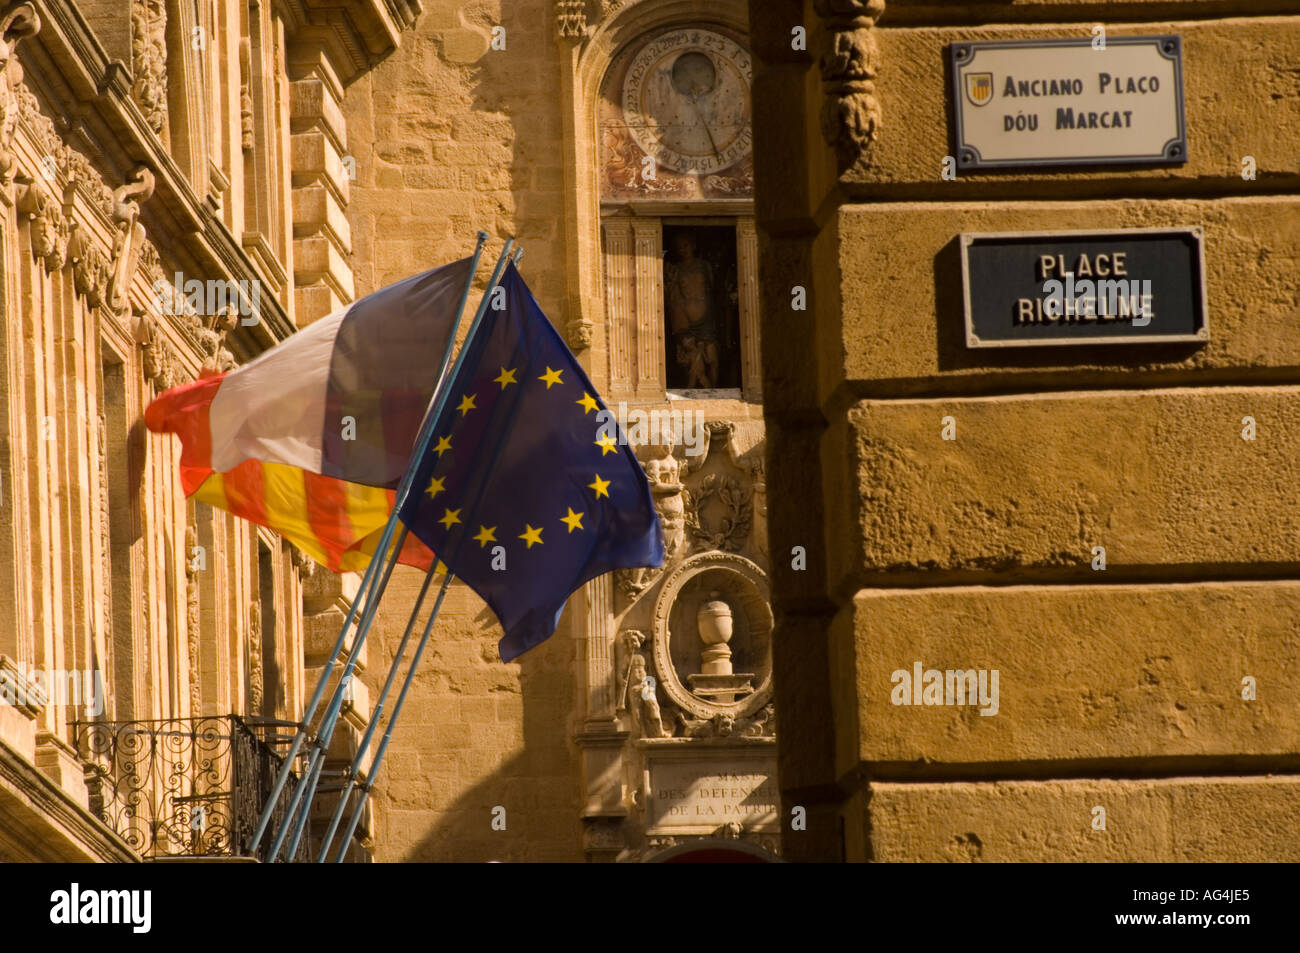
<point>70,73</point>
<point>850,119</point>
<point>39,821</point>
<point>356,35</point>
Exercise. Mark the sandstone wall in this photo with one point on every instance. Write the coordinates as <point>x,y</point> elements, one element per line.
<point>451,136</point>
<point>1120,689</point>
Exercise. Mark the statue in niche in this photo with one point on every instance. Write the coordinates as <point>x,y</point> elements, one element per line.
<point>629,641</point>
<point>643,702</point>
<point>688,285</point>
<point>636,688</point>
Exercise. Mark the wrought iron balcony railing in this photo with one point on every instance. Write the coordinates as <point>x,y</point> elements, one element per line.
<point>182,787</point>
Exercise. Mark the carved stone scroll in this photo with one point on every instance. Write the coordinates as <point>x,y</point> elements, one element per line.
<point>130,234</point>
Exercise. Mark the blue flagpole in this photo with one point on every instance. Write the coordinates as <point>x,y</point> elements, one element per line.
<point>377,760</point>
<point>373,771</point>
<point>306,787</point>
<point>371,572</point>
<point>300,802</point>
<point>376,713</point>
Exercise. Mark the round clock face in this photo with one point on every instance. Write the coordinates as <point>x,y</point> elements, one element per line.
<point>686,101</point>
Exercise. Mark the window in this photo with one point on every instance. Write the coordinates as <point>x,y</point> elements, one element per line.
<point>701,313</point>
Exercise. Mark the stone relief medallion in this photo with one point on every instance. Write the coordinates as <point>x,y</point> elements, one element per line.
<point>713,637</point>
<point>685,100</point>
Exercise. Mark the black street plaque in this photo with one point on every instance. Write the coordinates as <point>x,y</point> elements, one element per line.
<point>1128,286</point>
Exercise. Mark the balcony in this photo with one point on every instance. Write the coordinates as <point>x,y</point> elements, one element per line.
<point>184,787</point>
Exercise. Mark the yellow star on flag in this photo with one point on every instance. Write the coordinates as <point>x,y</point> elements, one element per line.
<point>436,486</point>
<point>450,517</point>
<point>466,404</point>
<point>551,377</point>
<point>507,377</point>
<point>530,536</point>
<point>600,486</point>
<point>573,520</point>
<point>607,444</point>
<point>486,534</point>
<point>444,444</point>
<point>588,403</point>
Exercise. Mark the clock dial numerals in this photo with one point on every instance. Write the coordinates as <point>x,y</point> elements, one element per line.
<point>686,102</point>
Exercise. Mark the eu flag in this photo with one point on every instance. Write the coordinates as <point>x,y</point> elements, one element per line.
<point>528,490</point>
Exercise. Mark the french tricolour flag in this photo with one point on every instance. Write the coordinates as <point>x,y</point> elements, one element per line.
<point>311,438</point>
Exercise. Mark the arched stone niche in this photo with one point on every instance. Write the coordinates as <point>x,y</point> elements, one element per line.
<point>680,653</point>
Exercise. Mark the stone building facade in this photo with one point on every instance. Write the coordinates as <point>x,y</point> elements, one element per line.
<point>1148,699</point>
<point>310,152</point>
<point>744,220</point>
<point>615,140</point>
<point>153,651</point>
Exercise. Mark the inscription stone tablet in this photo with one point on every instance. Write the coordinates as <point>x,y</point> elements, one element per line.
<point>694,797</point>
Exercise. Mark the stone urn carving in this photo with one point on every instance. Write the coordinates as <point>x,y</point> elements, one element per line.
<point>716,681</point>
<point>715,623</point>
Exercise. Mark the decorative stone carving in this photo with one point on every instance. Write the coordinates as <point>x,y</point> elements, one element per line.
<point>571,18</point>
<point>150,263</point>
<point>851,115</point>
<point>629,641</point>
<point>149,60</point>
<point>690,675</point>
<point>89,267</point>
<point>246,134</point>
<point>580,333</point>
<point>246,139</point>
<point>130,235</point>
<point>637,695</point>
<point>301,561</point>
<point>158,360</point>
<point>49,229</point>
<point>255,658</point>
<point>731,530</point>
<point>760,514</point>
<point>68,162</point>
<point>681,97</point>
<point>644,703</point>
<point>720,496</point>
<point>664,473</point>
<point>192,616</point>
<point>212,335</point>
<point>602,835</point>
<point>19,22</point>
<point>105,519</point>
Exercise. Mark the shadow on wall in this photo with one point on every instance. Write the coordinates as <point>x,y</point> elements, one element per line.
<point>480,767</point>
<point>533,791</point>
<point>469,137</point>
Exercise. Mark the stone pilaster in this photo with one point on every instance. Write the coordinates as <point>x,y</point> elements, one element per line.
<point>619,296</point>
<point>751,370</point>
<point>648,237</point>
